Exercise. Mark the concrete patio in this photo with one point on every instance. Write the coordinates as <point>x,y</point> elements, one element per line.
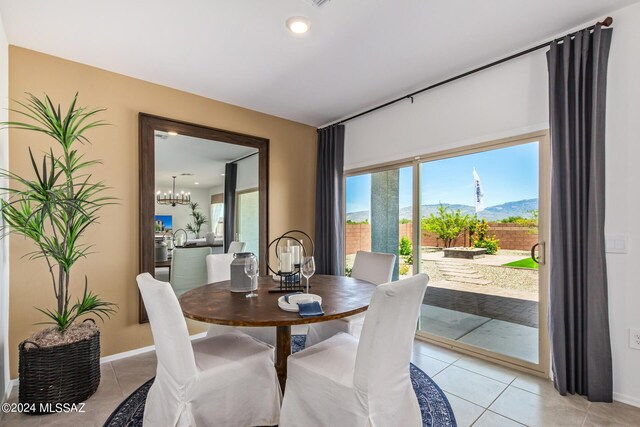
<point>481,303</point>
<point>495,335</point>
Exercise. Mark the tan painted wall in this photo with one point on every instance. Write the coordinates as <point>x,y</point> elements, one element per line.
<point>113,268</point>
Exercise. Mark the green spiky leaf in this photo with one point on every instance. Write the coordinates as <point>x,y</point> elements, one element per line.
<point>56,206</point>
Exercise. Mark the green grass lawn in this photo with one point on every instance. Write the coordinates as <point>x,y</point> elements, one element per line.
<point>523,263</point>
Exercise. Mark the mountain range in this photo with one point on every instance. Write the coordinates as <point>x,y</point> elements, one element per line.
<point>521,208</point>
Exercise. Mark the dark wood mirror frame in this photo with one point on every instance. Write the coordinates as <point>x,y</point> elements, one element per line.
<point>148,124</point>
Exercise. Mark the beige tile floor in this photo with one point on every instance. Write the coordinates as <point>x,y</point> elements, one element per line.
<point>480,393</point>
<point>484,394</point>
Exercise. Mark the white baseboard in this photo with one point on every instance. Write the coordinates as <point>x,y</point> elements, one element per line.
<point>117,356</point>
<point>126,354</point>
<point>12,383</point>
<point>7,392</point>
<point>629,400</point>
<point>141,350</point>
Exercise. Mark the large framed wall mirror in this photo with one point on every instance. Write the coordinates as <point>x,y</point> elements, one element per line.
<point>202,191</point>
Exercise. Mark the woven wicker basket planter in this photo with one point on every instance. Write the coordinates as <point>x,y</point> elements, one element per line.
<point>68,373</point>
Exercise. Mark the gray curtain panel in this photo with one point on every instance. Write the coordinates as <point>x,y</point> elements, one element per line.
<point>578,311</point>
<point>230,178</point>
<point>329,203</point>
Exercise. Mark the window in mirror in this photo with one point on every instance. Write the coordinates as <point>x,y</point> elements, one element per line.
<point>247,207</point>
<point>217,216</point>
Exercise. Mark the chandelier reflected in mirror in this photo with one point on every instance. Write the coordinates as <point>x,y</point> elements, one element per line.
<point>173,198</point>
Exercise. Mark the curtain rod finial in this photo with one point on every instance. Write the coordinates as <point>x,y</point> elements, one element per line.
<point>607,21</point>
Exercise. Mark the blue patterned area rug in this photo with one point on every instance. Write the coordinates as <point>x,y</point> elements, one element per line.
<point>436,410</point>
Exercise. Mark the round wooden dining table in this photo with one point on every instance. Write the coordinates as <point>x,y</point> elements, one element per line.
<point>215,303</point>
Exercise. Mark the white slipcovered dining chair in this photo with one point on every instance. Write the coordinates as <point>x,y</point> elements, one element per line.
<point>227,380</point>
<point>218,267</point>
<point>374,267</point>
<point>188,269</point>
<point>236,247</point>
<point>218,271</point>
<point>344,381</point>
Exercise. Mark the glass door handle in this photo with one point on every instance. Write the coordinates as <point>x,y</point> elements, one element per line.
<point>540,259</point>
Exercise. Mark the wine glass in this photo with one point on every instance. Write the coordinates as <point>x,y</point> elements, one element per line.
<point>308,268</point>
<point>251,270</point>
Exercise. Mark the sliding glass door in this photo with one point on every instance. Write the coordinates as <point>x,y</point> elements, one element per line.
<point>471,219</point>
<point>379,212</point>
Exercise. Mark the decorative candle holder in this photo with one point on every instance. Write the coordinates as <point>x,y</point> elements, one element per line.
<point>289,250</point>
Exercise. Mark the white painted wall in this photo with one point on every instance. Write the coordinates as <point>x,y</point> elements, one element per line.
<point>218,189</point>
<point>4,244</point>
<point>509,100</point>
<point>247,173</point>
<point>181,213</point>
<point>623,198</point>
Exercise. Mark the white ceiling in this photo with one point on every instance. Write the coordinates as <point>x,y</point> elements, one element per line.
<point>203,158</point>
<point>358,53</point>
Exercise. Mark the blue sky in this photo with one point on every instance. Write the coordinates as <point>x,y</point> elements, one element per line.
<point>507,174</point>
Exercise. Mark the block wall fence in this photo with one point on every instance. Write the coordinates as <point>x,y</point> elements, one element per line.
<point>510,236</point>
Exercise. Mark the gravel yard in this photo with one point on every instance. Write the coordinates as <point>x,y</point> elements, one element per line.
<point>501,277</point>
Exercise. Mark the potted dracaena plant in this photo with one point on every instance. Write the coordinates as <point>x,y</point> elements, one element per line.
<point>53,208</point>
<point>199,219</point>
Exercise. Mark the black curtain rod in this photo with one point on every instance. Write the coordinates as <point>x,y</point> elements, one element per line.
<point>605,23</point>
<point>242,158</point>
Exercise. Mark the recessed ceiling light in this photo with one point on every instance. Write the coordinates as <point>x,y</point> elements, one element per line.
<point>298,24</point>
<point>172,133</point>
<point>196,183</point>
<point>221,174</point>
